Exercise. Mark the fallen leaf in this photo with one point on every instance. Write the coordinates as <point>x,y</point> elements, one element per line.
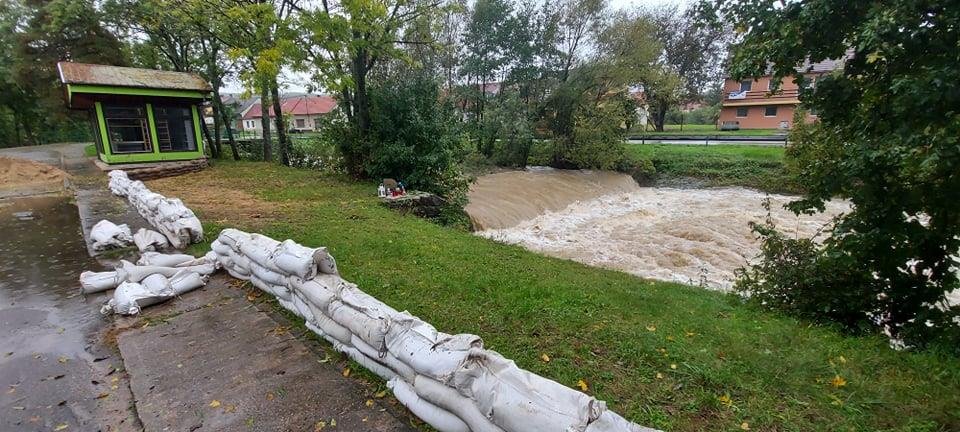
<point>582,385</point>
<point>838,381</point>
<point>319,426</point>
<point>725,400</point>
<point>214,403</point>
<point>545,358</point>
<point>326,358</point>
<point>659,375</point>
<point>842,359</point>
<point>651,327</point>
<point>670,338</point>
<point>333,422</point>
<point>673,366</point>
<point>689,334</point>
<point>270,396</point>
<point>745,426</point>
<point>63,359</point>
<point>369,403</point>
<point>380,394</point>
<point>102,395</point>
<point>230,408</point>
<point>346,372</point>
<point>61,427</point>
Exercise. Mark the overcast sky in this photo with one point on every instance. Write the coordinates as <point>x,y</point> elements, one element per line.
<point>298,83</point>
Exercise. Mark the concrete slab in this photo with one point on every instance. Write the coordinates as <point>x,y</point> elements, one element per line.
<point>214,345</point>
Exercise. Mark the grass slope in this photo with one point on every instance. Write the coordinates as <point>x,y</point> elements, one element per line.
<point>664,355</point>
<point>758,167</point>
<point>707,129</point>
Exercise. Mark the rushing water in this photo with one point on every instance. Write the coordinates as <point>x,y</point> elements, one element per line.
<point>697,236</point>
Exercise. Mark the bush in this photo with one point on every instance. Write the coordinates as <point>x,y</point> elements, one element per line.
<point>316,153</point>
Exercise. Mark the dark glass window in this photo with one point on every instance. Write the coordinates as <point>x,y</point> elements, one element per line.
<point>97,137</point>
<point>746,85</point>
<point>175,130</point>
<point>742,112</point>
<point>770,111</point>
<point>127,129</point>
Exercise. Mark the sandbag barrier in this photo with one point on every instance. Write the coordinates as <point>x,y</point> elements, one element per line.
<point>449,381</point>
<point>168,215</point>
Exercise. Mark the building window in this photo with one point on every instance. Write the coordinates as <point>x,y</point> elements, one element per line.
<point>301,123</point>
<point>742,112</point>
<point>175,130</point>
<point>127,129</point>
<point>770,111</point>
<point>746,85</point>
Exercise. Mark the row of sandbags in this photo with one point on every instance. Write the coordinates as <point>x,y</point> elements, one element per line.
<point>449,381</point>
<point>107,235</point>
<point>168,215</point>
<point>155,277</point>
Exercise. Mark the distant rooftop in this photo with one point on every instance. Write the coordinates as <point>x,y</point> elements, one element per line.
<point>116,76</point>
<point>297,105</point>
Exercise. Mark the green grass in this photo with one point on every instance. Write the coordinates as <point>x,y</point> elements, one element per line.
<point>615,331</point>
<point>758,167</point>
<point>707,129</point>
<point>90,150</point>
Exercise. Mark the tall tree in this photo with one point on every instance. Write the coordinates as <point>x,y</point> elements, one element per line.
<point>887,141</point>
<point>346,40</point>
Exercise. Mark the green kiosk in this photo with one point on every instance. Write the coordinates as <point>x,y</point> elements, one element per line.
<point>138,115</point>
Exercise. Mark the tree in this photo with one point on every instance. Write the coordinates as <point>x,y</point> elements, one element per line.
<point>345,41</point>
<point>887,141</point>
<point>53,31</point>
<point>691,59</point>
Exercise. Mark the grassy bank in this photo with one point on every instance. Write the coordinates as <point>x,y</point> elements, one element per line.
<point>758,167</point>
<point>704,129</point>
<point>664,355</point>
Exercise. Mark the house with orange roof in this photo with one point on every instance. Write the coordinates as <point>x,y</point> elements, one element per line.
<point>302,112</point>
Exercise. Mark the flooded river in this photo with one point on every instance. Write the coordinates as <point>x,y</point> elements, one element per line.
<point>696,236</point>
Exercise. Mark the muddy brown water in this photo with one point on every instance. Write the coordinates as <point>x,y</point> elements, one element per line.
<point>51,366</point>
<point>604,219</point>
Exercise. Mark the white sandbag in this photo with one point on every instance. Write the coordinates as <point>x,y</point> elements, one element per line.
<point>370,329</point>
<point>237,275</point>
<point>209,258</point>
<point>384,358</point>
<point>107,235</point>
<point>268,275</point>
<point>163,260</point>
<point>368,363</point>
<point>92,282</point>
<point>429,352</point>
<point>302,308</point>
<point>610,421</point>
<point>134,273</point>
<point>149,240</point>
<point>130,297</point>
<point>302,261</point>
<point>172,209</point>
<point>157,283</point>
<point>438,418</point>
<point>288,305</point>
<point>330,327</point>
<point>186,280</point>
<point>220,247</point>
<point>189,227</point>
<point>118,182</point>
<point>312,292</point>
<point>518,400</point>
<point>233,238</point>
<point>351,295</point>
<point>447,398</point>
<point>279,291</point>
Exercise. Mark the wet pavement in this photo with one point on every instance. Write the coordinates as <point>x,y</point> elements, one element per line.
<point>55,370</point>
<point>66,367</point>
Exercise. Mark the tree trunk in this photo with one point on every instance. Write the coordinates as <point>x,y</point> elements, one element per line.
<point>228,127</point>
<point>361,106</point>
<point>282,139</point>
<point>217,105</point>
<point>265,122</point>
<point>660,117</point>
<point>208,139</point>
<point>16,127</point>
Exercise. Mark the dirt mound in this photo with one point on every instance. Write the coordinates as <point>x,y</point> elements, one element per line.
<point>25,174</point>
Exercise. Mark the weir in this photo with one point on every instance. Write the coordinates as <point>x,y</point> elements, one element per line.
<point>604,219</point>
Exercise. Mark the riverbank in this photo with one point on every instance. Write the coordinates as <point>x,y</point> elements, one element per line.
<point>662,354</point>
<point>758,167</point>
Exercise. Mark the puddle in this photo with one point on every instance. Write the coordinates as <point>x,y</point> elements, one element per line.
<point>45,364</point>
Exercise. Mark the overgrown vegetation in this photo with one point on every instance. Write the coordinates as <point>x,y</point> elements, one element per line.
<point>665,355</point>
<point>757,167</point>
<point>887,141</point>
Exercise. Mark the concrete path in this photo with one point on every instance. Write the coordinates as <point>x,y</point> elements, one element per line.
<point>65,367</point>
<point>213,361</point>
